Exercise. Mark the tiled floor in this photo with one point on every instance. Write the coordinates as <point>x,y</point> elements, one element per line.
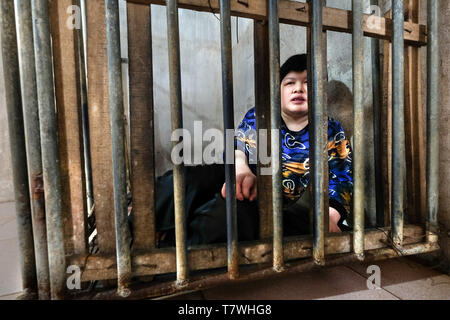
<point>400,278</point>
<point>10,278</point>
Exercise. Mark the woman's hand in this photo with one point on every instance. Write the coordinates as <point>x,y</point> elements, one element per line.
<point>246,186</point>
<point>334,219</point>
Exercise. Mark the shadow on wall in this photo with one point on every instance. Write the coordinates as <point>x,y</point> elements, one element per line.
<point>340,105</point>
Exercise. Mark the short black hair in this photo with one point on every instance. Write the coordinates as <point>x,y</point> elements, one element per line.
<point>298,63</point>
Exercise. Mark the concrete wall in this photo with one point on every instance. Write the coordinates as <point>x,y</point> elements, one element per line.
<point>201,75</point>
<point>6,184</point>
<point>444,156</point>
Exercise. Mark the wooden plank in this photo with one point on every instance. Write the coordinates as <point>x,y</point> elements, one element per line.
<point>262,109</point>
<point>99,123</point>
<point>65,58</point>
<point>141,125</point>
<point>386,128</point>
<point>414,133</point>
<point>297,13</point>
<point>160,261</point>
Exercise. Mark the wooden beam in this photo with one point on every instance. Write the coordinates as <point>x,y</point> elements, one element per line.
<point>65,58</point>
<point>297,13</point>
<point>141,125</point>
<point>99,125</point>
<point>160,261</point>
<point>414,131</point>
<point>262,110</point>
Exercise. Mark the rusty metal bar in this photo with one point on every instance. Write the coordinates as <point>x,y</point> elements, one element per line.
<point>275,146</point>
<point>317,116</point>
<point>378,220</point>
<point>177,123</point>
<point>228,123</point>
<point>203,282</point>
<point>17,145</point>
<point>433,119</point>
<point>118,147</point>
<point>398,123</point>
<point>49,147</point>
<point>358,130</point>
<point>33,142</point>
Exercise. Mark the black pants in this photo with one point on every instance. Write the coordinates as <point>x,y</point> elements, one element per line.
<point>206,210</point>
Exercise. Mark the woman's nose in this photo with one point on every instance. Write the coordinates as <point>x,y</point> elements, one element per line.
<point>304,87</point>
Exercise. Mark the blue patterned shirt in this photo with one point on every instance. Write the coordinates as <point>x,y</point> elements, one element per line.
<point>295,160</point>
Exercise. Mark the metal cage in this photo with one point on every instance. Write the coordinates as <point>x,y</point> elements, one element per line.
<point>55,103</point>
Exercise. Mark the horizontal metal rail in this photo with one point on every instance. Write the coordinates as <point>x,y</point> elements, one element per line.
<point>296,13</point>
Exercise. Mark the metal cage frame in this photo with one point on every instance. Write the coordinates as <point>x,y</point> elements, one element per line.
<point>39,103</point>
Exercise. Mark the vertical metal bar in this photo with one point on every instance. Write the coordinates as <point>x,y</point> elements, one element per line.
<point>228,123</point>
<point>49,147</point>
<point>376,94</point>
<point>275,120</point>
<point>317,116</point>
<point>84,113</point>
<point>358,129</point>
<point>118,147</point>
<point>33,141</point>
<point>17,145</point>
<point>177,122</point>
<point>432,120</point>
<point>398,123</point>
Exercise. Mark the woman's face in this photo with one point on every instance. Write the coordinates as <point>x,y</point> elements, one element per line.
<point>294,94</point>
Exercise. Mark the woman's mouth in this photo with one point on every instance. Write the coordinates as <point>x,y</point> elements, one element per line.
<point>298,100</point>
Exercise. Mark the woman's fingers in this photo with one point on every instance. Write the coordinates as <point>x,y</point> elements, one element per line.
<point>245,187</point>
<point>239,194</point>
<point>247,184</point>
<point>254,192</point>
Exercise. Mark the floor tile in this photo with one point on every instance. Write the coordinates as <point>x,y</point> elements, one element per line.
<point>409,280</point>
<point>317,284</point>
